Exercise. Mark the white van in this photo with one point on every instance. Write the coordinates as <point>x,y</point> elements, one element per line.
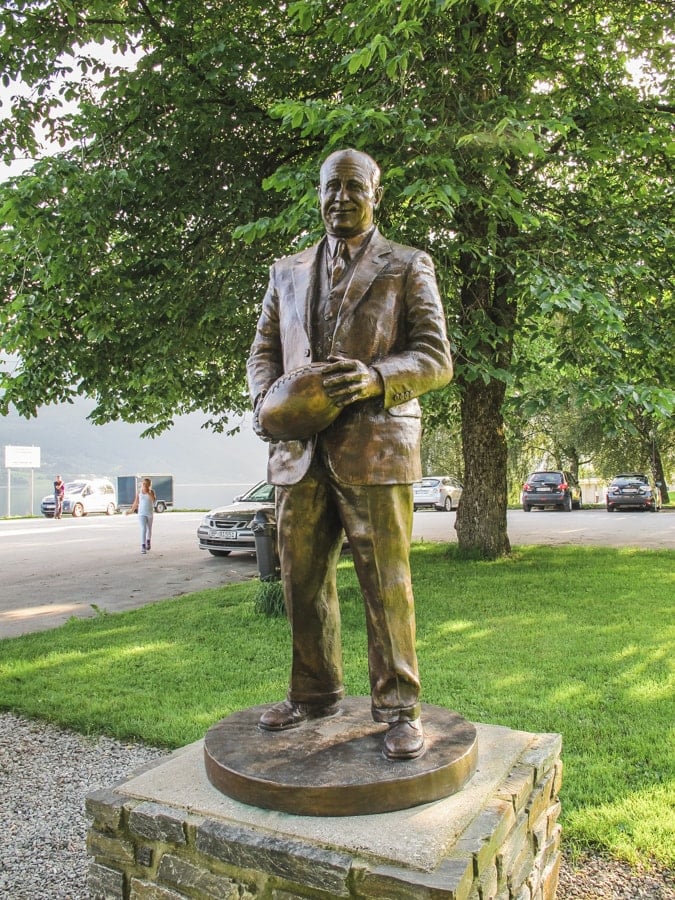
<point>83,497</point>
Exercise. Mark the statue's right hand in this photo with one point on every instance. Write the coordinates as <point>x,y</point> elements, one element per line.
<point>348,380</point>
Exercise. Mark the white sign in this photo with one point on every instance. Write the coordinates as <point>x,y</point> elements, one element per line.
<point>22,457</point>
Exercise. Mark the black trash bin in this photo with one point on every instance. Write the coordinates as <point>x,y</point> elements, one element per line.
<point>264,529</point>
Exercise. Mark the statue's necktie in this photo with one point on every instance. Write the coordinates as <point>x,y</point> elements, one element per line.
<point>339,262</point>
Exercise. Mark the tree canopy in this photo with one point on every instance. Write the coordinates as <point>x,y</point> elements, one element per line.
<point>528,146</point>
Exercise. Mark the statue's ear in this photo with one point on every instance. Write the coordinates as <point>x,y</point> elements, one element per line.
<point>378,196</point>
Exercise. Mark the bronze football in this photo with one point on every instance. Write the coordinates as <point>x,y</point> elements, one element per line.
<point>297,407</point>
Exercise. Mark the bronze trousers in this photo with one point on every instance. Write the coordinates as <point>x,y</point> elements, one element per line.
<point>312,518</point>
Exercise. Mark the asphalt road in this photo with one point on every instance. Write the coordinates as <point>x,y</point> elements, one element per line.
<point>52,570</point>
<point>592,526</point>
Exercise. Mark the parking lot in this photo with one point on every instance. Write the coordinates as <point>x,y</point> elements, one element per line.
<point>52,570</point>
<point>593,526</point>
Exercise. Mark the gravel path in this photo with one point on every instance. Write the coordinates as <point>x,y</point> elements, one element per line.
<point>46,772</point>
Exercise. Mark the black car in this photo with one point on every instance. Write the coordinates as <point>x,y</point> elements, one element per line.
<point>633,490</point>
<point>555,488</point>
<point>228,528</point>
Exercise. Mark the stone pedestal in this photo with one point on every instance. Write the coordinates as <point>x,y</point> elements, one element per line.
<point>169,834</point>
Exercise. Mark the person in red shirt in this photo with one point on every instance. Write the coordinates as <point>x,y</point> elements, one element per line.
<point>59,493</point>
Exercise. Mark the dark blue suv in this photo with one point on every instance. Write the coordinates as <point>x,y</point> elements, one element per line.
<point>555,488</point>
<point>634,490</point>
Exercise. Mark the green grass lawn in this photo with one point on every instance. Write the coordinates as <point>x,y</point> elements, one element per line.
<point>572,640</point>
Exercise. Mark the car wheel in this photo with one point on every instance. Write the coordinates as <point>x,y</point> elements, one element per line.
<point>448,504</point>
<point>219,552</point>
<point>161,507</point>
<point>567,504</point>
<point>110,509</point>
<point>610,508</point>
<point>527,507</point>
<point>78,511</point>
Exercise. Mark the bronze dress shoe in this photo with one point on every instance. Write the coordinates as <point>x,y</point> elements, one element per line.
<point>289,714</point>
<point>404,740</point>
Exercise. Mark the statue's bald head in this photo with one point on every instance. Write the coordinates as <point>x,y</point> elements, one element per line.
<point>356,158</point>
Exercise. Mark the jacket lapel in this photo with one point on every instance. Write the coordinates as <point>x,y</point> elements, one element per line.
<point>304,273</point>
<point>374,259</point>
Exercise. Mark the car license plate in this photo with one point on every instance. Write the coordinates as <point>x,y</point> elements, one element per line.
<point>543,490</point>
<point>226,535</point>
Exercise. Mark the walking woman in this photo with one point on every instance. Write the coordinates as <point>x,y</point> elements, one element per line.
<point>144,502</point>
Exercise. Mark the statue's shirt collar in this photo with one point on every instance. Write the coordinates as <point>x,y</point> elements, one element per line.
<point>355,244</point>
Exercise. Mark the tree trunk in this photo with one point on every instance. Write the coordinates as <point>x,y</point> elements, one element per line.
<point>647,429</point>
<point>487,309</point>
<point>659,474</point>
<point>481,517</point>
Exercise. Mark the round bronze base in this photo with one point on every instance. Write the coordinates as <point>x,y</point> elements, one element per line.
<point>335,766</point>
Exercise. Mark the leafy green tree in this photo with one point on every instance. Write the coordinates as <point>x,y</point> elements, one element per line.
<point>601,440</point>
<point>120,276</point>
<point>515,144</point>
<point>609,401</point>
<point>518,151</point>
<point>442,447</point>
<point>642,447</point>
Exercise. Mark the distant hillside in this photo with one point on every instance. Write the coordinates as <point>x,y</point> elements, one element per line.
<point>70,445</point>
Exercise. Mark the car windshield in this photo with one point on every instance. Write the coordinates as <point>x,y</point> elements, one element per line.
<point>261,493</point>
<point>427,483</point>
<point>75,487</point>
<point>631,479</point>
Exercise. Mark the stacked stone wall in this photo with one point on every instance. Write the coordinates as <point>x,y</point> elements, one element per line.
<point>144,850</point>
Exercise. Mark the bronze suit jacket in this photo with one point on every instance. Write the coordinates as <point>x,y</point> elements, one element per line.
<point>392,319</point>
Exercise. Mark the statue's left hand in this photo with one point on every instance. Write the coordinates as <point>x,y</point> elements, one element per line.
<point>348,380</point>
<point>257,427</point>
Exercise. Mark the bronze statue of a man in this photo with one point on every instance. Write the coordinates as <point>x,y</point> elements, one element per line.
<point>371,309</point>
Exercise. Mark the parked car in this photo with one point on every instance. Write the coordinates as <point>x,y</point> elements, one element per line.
<point>83,497</point>
<point>228,528</point>
<point>437,492</point>
<point>633,490</point>
<point>554,488</point>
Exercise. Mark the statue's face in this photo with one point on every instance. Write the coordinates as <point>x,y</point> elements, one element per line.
<point>347,195</point>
